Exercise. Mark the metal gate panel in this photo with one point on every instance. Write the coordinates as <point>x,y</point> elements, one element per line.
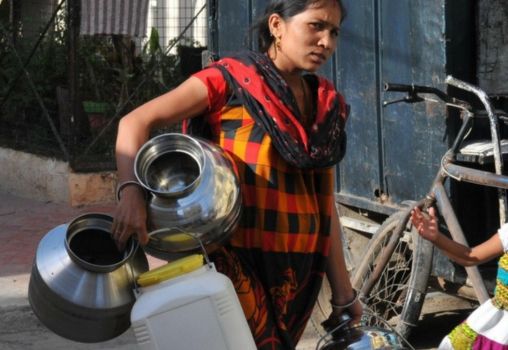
<point>413,136</point>
<point>394,152</point>
<point>493,46</point>
<point>233,21</point>
<point>357,62</point>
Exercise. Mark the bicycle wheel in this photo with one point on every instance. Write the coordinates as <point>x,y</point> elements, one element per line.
<point>398,294</point>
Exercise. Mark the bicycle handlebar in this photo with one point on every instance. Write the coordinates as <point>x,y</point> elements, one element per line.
<point>482,96</point>
<point>412,97</point>
<point>412,90</point>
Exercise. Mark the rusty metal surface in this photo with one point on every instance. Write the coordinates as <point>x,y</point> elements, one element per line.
<point>493,46</point>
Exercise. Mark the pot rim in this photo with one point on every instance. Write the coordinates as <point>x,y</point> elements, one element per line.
<point>197,155</point>
<point>101,222</point>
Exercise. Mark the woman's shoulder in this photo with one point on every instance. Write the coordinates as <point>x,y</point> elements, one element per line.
<point>209,72</point>
<point>216,85</point>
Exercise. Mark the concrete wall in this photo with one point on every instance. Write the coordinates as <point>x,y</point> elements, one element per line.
<point>46,179</point>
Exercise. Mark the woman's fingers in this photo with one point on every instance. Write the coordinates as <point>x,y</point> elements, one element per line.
<point>142,235</point>
<point>120,231</point>
<point>130,219</point>
<point>356,311</point>
<point>123,231</point>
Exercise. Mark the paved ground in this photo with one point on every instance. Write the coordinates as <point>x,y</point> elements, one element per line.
<point>23,222</point>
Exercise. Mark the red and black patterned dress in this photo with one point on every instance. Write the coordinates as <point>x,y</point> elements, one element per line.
<point>277,257</point>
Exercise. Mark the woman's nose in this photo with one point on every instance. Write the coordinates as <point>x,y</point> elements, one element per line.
<point>327,40</point>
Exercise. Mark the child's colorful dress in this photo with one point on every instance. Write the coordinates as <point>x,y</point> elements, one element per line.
<point>487,327</point>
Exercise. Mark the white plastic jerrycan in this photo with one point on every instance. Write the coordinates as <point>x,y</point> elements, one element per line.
<point>185,305</point>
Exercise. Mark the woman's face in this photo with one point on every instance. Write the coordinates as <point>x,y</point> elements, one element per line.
<point>307,39</point>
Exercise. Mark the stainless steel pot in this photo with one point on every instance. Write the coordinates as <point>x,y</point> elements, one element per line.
<point>81,286</point>
<point>345,337</point>
<point>193,189</point>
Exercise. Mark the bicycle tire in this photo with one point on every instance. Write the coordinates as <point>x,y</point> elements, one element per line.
<point>397,296</point>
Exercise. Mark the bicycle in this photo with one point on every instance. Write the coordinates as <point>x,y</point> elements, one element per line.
<point>393,277</point>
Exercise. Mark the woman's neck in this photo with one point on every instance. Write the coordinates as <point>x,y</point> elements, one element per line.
<point>290,74</point>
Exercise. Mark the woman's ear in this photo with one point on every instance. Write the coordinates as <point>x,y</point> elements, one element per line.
<point>275,23</point>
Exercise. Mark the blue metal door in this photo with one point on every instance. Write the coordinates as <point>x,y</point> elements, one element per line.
<point>393,152</point>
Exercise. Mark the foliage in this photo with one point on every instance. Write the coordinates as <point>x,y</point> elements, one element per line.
<point>21,117</point>
<point>161,70</point>
<point>112,70</point>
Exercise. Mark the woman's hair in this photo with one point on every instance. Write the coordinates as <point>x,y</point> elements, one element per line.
<point>285,9</point>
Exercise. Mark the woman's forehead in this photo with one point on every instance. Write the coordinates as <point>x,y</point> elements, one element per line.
<point>324,10</point>
<point>328,4</point>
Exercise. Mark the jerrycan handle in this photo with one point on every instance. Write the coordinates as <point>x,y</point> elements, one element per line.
<point>195,237</point>
<point>162,230</point>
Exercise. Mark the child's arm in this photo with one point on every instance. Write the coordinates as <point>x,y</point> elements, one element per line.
<point>427,226</point>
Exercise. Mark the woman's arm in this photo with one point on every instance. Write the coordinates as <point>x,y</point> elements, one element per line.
<point>427,226</point>
<point>338,277</point>
<point>187,100</point>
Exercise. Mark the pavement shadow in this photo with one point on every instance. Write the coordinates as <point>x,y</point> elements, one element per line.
<point>433,327</point>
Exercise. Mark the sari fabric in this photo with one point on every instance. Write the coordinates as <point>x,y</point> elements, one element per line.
<point>277,257</point>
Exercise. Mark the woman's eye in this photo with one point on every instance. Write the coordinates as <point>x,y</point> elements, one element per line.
<point>317,26</point>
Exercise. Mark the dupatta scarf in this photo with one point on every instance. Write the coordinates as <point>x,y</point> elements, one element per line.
<point>255,81</point>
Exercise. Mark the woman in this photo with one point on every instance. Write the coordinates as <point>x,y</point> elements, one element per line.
<point>486,328</point>
<point>285,131</point>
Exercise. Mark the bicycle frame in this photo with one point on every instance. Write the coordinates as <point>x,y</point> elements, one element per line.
<point>449,169</point>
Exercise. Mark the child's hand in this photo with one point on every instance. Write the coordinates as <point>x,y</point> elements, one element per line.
<point>426,225</point>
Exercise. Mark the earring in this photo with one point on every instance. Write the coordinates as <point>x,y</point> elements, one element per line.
<point>276,45</point>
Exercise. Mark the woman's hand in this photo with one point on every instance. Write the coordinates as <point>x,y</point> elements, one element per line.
<point>356,312</point>
<point>426,225</point>
<point>351,305</point>
<point>130,217</point>
<point>353,308</point>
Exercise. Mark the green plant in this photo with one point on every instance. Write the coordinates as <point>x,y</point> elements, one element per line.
<point>112,70</point>
<point>23,81</point>
<point>160,69</point>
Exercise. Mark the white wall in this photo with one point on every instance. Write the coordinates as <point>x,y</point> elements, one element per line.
<point>47,179</point>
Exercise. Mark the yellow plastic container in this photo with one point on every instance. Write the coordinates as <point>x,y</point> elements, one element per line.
<point>171,270</point>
